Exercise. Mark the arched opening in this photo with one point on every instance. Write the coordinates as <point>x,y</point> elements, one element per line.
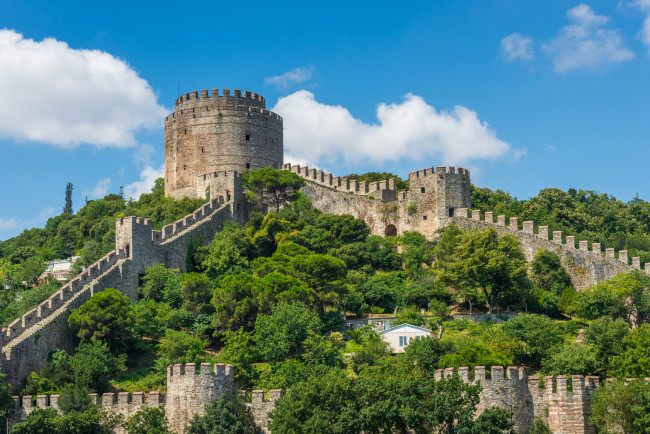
<point>391,231</point>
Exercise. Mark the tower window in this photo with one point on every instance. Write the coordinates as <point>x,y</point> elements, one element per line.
<point>202,150</point>
<point>186,131</point>
<point>421,189</point>
<point>424,217</point>
<point>184,167</point>
<point>451,212</point>
<point>248,166</point>
<point>248,137</point>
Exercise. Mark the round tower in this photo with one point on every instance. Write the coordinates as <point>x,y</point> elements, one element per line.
<point>189,390</point>
<point>217,133</point>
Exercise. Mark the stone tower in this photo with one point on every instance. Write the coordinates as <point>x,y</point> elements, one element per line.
<point>212,133</point>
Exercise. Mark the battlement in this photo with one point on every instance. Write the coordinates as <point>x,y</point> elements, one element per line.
<point>337,183</point>
<point>66,293</point>
<point>215,94</point>
<point>171,230</point>
<point>566,242</point>
<point>219,371</point>
<point>440,170</point>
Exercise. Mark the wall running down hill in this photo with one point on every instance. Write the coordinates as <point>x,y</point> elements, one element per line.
<point>440,197</point>
<point>27,341</point>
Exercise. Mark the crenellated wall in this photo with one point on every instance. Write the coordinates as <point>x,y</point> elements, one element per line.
<point>566,409</point>
<point>28,340</point>
<point>433,195</point>
<point>586,267</point>
<point>189,389</point>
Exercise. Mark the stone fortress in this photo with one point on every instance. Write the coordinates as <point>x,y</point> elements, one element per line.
<point>209,142</point>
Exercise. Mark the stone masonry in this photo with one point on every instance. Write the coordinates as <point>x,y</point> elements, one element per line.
<point>27,341</point>
<point>188,390</point>
<point>213,133</point>
<point>437,198</point>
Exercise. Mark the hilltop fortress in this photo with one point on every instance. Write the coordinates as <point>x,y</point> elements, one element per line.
<point>209,141</point>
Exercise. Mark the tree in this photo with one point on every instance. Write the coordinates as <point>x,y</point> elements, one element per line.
<point>67,208</point>
<point>39,421</point>
<point>107,316</point>
<point>282,333</point>
<point>634,362</point>
<point>280,183</point>
<point>148,420</point>
<point>608,337</point>
<point>409,315</point>
<point>547,272</point>
<point>161,284</point>
<point>622,407</point>
<point>196,291</point>
<point>92,365</point>
<point>538,333</point>
<point>572,359</point>
<point>494,264</point>
<point>178,346</point>
<point>424,353</point>
<point>225,416</point>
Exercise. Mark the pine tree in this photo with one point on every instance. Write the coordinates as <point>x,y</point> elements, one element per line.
<point>68,199</point>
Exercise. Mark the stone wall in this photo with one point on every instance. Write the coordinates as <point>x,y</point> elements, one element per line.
<point>433,195</point>
<point>27,341</point>
<point>188,390</point>
<point>564,411</point>
<point>213,133</point>
<point>585,266</point>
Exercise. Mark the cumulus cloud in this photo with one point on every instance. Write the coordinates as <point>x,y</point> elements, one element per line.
<point>46,214</point>
<point>10,223</point>
<point>644,34</point>
<point>298,75</point>
<point>63,96</point>
<point>100,189</point>
<point>147,177</point>
<point>409,129</point>
<point>516,46</point>
<point>586,42</point>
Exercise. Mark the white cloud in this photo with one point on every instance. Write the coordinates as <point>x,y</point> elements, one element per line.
<point>298,75</point>
<point>100,189</point>
<point>147,177</point>
<point>410,129</point>
<point>586,42</point>
<point>10,223</point>
<point>644,34</point>
<point>46,214</point>
<point>142,155</point>
<point>516,46</point>
<point>63,96</point>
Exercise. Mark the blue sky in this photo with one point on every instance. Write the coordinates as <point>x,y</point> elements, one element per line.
<point>527,95</point>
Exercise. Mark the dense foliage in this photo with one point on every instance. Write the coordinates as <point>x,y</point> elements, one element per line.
<point>271,298</point>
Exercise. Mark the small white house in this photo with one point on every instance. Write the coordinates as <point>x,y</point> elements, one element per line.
<point>400,336</point>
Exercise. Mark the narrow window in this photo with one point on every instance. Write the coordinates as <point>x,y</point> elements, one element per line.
<point>202,150</point>
<point>424,217</point>
<point>184,167</point>
<point>248,165</point>
<point>451,212</point>
<point>186,135</point>
<point>248,137</point>
<point>421,189</point>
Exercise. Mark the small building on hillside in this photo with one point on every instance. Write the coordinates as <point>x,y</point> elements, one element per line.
<point>60,269</point>
<point>400,336</point>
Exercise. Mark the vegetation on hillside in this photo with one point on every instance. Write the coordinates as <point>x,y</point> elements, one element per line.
<point>270,298</point>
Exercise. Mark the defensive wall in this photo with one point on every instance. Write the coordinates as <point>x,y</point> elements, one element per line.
<point>215,133</point>
<point>585,266</point>
<point>27,341</point>
<point>437,198</point>
<point>433,194</point>
<point>189,388</point>
<point>564,405</point>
